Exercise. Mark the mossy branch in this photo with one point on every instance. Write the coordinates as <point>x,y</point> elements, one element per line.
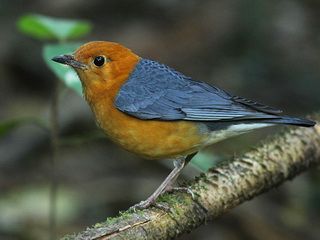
<point>277,159</point>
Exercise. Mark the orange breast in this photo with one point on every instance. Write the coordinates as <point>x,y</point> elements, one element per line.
<point>147,138</point>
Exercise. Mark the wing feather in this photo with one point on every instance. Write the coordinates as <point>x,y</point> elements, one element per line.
<point>155,91</point>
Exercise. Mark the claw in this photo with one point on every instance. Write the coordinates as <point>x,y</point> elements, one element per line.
<point>179,164</point>
<point>145,204</point>
<point>163,207</point>
<point>140,206</point>
<point>189,191</point>
<point>183,190</point>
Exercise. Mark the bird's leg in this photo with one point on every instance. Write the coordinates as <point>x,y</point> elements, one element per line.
<point>175,163</point>
<point>179,164</point>
<point>182,189</point>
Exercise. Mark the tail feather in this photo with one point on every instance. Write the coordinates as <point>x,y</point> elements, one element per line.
<point>291,121</point>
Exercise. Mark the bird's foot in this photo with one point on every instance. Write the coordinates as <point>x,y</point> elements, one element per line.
<point>150,203</point>
<point>193,196</point>
<point>183,190</point>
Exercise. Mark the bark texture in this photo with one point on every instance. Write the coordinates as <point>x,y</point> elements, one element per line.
<point>272,162</point>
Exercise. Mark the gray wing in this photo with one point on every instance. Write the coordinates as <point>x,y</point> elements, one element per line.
<point>155,91</point>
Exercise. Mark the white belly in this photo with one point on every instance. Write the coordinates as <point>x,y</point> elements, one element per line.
<point>232,131</point>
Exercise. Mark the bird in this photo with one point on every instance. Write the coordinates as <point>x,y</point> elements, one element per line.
<point>156,112</point>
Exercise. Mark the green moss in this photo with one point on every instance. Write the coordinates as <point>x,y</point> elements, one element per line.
<point>197,195</point>
<point>167,199</point>
<point>66,237</point>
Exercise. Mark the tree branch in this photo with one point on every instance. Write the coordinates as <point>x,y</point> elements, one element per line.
<point>277,159</point>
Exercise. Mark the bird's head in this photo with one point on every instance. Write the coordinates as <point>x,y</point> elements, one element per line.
<point>100,64</point>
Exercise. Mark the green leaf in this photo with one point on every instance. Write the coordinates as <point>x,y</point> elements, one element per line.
<point>63,72</point>
<point>49,28</point>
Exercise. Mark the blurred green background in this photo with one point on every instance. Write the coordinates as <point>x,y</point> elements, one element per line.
<point>268,51</point>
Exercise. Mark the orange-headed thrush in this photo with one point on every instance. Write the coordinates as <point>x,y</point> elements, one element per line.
<point>156,112</point>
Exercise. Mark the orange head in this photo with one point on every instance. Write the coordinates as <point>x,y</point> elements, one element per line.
<point>100,65</point>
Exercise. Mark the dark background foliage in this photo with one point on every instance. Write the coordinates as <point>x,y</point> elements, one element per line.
<point>262,50</point>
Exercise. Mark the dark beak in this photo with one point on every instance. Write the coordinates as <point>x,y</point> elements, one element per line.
<point>68,59</point>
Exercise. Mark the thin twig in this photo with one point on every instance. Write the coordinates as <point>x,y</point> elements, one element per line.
<point>54,156</point>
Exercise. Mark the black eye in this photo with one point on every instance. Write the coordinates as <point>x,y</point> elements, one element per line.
<point>99,61</point>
